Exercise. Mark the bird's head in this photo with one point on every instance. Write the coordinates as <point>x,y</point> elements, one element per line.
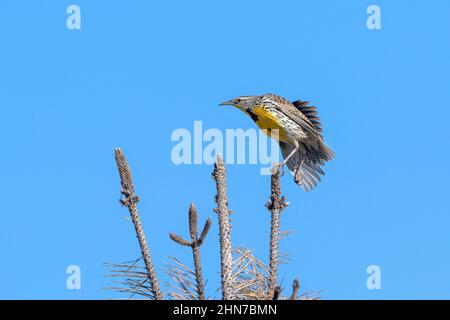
<point>244,103</point>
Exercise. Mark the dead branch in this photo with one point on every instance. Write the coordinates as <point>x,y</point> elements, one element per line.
<point>249,276</point>
<point>204,231</point>
<point>295,288</point>
<point>223,212</point>
<point>195,244</point>
<point>132,279</point>
<point>184,279</point>
<point>130,200</point>
<point>275,205</point>
<point>180,240</point>
<point>193,222</point>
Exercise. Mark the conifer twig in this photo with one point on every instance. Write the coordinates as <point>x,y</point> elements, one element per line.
<point>130,200</point>
<point>223,212</point>
<point>195,244</point>
<point>295,288</point>
<point>250,276</point>
<point>275,205</point>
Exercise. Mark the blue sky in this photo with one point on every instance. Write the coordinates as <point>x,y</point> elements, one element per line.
<point>136,71</point>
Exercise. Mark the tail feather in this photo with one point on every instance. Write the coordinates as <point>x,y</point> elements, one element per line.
<point>314,172</point>
<point>308,175</point>
<point>306,178</point>
<point>305,165</point>
<point>328,154</point>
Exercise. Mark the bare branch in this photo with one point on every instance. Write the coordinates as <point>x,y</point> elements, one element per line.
<point>193,225</point>
<point>180,240</point>
<point>195,245</point>
<point>295,288</point>
<point>223,212</point>
<point>130,200</point>
<point>204,231</point>
<point>275,205</point>
<point>198,271</point>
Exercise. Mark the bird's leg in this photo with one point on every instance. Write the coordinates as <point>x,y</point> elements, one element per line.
<point>286,160</point>
<point>288,157</point>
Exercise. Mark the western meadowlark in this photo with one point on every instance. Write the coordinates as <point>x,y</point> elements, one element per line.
<point>299,133</point>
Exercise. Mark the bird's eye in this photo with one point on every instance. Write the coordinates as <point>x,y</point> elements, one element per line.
<point>238,100</point>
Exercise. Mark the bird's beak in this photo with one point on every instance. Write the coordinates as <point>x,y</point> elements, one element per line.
<point>226,103</point>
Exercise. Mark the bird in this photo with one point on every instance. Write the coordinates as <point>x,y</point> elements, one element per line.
<point>299,133</point>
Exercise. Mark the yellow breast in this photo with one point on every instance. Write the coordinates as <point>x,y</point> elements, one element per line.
<point>268,121</point>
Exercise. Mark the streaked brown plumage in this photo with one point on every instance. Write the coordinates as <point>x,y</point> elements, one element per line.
<point>299,133</point>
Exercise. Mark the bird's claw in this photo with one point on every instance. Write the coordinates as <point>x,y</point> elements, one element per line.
<point>278,168</point>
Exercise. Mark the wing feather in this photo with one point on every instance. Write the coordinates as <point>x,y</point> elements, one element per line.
<point>289,110</point>
<point>310,112</point>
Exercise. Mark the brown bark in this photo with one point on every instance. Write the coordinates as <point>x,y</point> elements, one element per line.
<point>195,244</point>
<point>223,212</point>
<point>275,205</point>
<point>130,200</point>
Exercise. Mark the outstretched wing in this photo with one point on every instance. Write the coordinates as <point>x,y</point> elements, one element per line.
<point>310,112</point>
